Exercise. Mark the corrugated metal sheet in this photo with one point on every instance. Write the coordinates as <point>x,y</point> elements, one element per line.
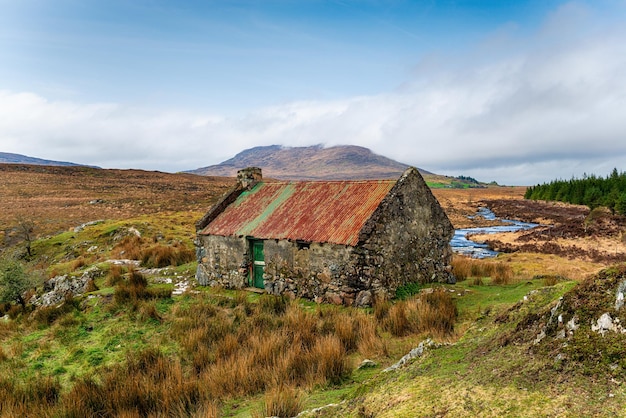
<point>313,211</point>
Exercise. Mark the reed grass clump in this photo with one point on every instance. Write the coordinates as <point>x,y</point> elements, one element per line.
<point>151,254</point>
<point>433,312</point>
<point>135,288</point>
<point>283,402</point>
<point>464,268</point>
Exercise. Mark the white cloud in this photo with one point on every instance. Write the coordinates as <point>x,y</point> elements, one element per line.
<point>549,106</point>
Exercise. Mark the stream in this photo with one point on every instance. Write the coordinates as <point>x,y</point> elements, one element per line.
<point>461,245</point>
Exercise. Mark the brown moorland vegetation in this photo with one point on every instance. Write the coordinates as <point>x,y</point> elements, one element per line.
<point>58,198</point>
<point>131,349</point>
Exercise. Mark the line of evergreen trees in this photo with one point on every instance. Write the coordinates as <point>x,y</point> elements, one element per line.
<point>590,190</point>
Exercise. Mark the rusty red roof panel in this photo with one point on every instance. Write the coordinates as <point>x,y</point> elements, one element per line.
<point>311,211</point>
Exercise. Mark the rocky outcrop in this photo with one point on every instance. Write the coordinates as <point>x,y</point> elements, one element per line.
<point>58,288</point>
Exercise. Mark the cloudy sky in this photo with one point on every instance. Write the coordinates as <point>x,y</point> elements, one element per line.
<point>518,92</point>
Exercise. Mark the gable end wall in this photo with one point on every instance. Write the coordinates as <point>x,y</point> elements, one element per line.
<point>407,238</point>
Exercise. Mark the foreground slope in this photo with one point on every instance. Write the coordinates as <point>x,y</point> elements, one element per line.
<point>555,352</point>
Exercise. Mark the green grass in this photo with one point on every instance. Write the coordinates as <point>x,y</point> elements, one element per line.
<point>481,367</point>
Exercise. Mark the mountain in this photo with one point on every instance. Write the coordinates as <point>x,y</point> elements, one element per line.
<point>344,162</point>
<point>8,158</point>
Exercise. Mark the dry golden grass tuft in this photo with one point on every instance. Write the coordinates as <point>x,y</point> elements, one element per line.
<point>135,289</point>
<point>283,402</point>
<point>153,255</point>
<point>433,312</point>
<point>464,268</point>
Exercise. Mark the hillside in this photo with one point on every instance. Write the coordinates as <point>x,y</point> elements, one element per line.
<point>133,342</point>
<point>9,158</point>
<point>310,163</point>
<point>58,198</point>
<point>557,351</point>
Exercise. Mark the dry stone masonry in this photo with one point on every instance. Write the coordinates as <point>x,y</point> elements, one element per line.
<point>403,238</point>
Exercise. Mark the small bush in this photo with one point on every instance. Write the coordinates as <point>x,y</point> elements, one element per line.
<point>128,248</point>
<point>91,286</point>
<point>148,311</point>
<point>461,267</point>
<point>431,312</point>
<point>407,290</point>
<point>329,360</point>
<point>436,313</point>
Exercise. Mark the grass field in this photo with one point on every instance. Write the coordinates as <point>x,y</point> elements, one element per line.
<point>130,347</point>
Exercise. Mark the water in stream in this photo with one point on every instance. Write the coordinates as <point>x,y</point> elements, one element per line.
<point>460,244</point>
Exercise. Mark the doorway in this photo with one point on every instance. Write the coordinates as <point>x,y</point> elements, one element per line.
<point>258,263</point>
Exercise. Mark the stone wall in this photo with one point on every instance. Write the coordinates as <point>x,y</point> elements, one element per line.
<point>407,239</point>
<point>319,272</point>
<point>222,261</point>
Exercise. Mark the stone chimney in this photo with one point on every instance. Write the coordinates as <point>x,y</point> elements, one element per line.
<point>249,176</point>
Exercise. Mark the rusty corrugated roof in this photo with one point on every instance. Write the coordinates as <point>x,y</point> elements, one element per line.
<point>314,211</point>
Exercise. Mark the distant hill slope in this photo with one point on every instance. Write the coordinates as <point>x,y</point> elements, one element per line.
<point>9,158</point>
<point>345,162</point>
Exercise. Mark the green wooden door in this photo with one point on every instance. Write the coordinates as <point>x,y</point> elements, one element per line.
<point>258,264</point>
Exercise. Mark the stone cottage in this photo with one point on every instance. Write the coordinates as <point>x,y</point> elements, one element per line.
<point>341,242</point>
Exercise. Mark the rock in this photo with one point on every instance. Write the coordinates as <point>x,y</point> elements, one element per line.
<point>124,262</point>
<point>333,298</point>
<point>416,352</point>
<point>619,296</point>
<point>59,287</point>
<point>201,275</point>
<point>83,226</point>
<point>572,324</point>
<point>366,364</point>
<point>603,324</point>
<point>363,298</point>
<point>540,337</point>
<point>134,231</point>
